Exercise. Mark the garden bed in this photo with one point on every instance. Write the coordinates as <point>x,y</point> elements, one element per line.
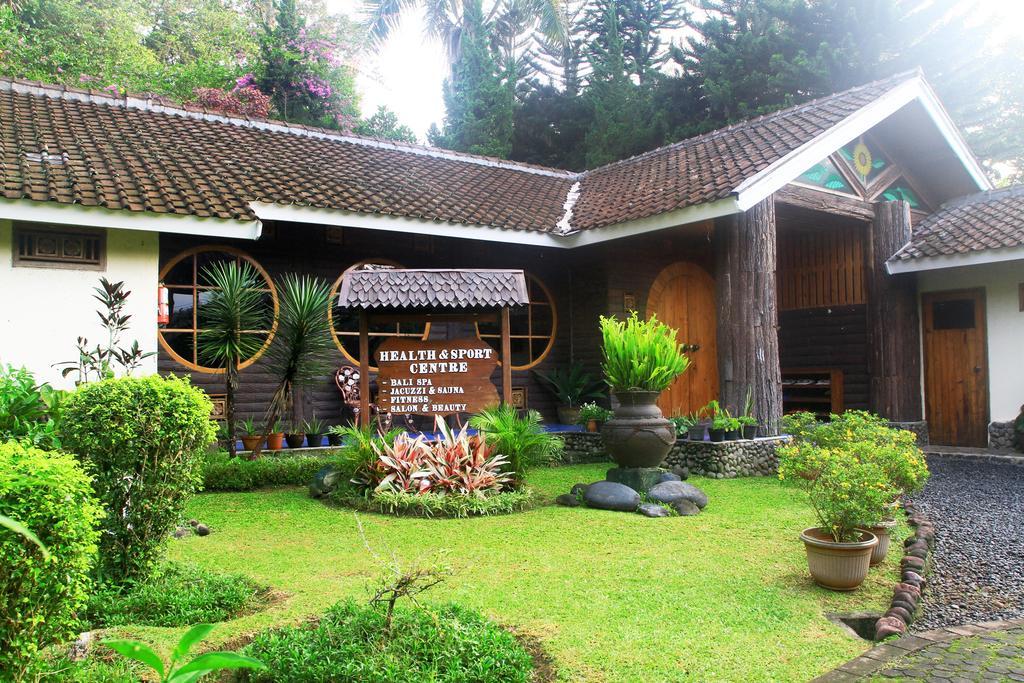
<point>612,597</point>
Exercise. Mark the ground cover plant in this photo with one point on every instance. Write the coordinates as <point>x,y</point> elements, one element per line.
<point>721,596</point>
<point>447,644</point>
<point>176,595</point>
<point>221,472</point>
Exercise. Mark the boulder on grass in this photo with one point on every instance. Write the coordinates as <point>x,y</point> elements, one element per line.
<point>668,476</point>
<point>567,500</point>
<point>671,491</point>
<point>685,508</point>
<point>652,510</point>
<point>324,481</point>
<point>202,530</point>
<point>610,495</point>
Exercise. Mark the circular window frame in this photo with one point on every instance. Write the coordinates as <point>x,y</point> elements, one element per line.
<point>554,326</point>
<point>336,287</point>
<point>224,249</point>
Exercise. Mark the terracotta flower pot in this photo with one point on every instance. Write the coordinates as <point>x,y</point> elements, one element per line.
<point>882,549</point>
<point>838,566</point>
<point>251,442</point>
<point>275,441</point>
<point>638,435</point>
<point>591,425</point>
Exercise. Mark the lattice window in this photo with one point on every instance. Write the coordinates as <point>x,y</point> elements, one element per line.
<point>901,190</point>
<point>78,248</point>
<point>825,175</point>
<point>532,327</point>
<point>866,160</point>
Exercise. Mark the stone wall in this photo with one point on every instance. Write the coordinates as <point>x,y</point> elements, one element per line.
<point>723,460</point>
<point>1000,436</point>
<point>920,428</point>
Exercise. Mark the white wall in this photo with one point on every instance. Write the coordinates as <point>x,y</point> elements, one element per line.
<point>44,310</point>
<point>1005,327</point>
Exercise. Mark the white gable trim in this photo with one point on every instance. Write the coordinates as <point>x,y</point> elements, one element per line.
<point>974,258</point>
<point>789,167</point>
<point>100,217</point>
<point>419,226</point>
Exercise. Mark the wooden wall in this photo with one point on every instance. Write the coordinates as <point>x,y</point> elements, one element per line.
<point>306,249</point>
<point>829,338</point>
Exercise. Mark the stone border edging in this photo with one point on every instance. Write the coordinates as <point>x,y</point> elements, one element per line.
<point>882,654</point>
<point>907,593</point>
<point>1016,460</point>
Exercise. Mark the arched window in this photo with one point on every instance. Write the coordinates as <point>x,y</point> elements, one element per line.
<point>188,289</point>
<point>532,327</point>
<point>345,322</point>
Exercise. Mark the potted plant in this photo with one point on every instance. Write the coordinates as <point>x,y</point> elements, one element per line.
<point>748,423</point>
<point>335,435</point>
<point>641,359</point>
<point>294,437</point>
<point>683,424</point>
<point>848,495</point>
<point>251,435</point>
<point>720,421</point>
<point>275,436</point>
<point>732,428</point>
<point>570,385</point>
<point>592,416</point>
<point>699,426</point>
<point>314,431</point>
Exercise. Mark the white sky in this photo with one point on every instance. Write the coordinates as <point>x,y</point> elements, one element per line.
<point>408,72</point>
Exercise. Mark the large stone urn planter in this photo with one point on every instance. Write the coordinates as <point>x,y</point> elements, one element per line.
<point>838,566</point>
<point>638,435</point>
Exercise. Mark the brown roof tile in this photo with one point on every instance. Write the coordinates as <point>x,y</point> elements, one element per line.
<point>986,220</point>
<point>385,287</point>
<point>143,154</point>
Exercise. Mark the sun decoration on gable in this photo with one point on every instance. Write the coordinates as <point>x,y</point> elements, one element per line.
<point>862,161</point>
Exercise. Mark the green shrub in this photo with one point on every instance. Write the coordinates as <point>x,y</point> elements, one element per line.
<point>431,504</point>
<point>175,595</point>
<point>847,493</point>
<point>522,440</point>
<point>50,494</point>
<point>640,354</point>
<point>144,440</point>
<point>28,411</point>
<point>359,450</point>
<point>448,645</point>
<point>223,473</point>
<point>866,437</point>
<point>59,669</point>
<point>592,411</point>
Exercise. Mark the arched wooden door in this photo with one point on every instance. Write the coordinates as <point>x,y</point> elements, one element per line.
<point>683,297</point>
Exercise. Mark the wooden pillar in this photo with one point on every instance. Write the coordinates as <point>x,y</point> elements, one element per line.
<point>748,339</point>
<point>894,355</point>
<point>364,367</point>
<point>506,358</point>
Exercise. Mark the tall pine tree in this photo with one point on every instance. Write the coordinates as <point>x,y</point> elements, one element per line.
<point>478,99</point>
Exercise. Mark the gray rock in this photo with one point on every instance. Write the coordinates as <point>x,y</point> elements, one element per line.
<point>671,491</point>
<point>578,489</point>
<point>202,530</point>
<point>324,481</point>
<point>680,472</point>
<point>652,510</point>
<point>669,476</point>
<point>568,500</point>
<point>182,532</point>
<point>609,495</point>
<point>686,508</point>
<point>193,523</point>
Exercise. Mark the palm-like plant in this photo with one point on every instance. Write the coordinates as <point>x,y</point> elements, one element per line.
<point>302,342</point>
<point>446,21</point>
<point>235,308</point>
<point>522,440</point>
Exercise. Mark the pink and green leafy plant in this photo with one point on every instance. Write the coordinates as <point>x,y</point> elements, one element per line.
<point>454,463</point>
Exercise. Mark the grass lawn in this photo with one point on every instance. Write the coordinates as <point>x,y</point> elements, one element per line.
<point>612,596</point>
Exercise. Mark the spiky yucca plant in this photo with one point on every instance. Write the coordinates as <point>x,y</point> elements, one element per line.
<point>640,355</point>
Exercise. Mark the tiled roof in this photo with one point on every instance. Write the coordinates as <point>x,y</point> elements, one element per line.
<point>383,287</point>
<point>977,222</point>
<point>138,154</point>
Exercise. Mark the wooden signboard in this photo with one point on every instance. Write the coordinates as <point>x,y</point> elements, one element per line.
<point>435,377</point>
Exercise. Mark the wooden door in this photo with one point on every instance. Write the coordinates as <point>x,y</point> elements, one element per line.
<point>683,297</point>
<point>955,367</point>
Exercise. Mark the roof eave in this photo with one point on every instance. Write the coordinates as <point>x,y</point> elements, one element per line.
<point>33,211</point>
<point>944,261</point>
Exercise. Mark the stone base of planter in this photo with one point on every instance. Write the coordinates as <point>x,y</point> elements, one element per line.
<point>919,427</point>
<point>1001,436</point>
<point>640,479</point>
<point>723,460</point>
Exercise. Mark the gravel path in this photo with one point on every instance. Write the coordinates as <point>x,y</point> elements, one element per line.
<point>978,567</point>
